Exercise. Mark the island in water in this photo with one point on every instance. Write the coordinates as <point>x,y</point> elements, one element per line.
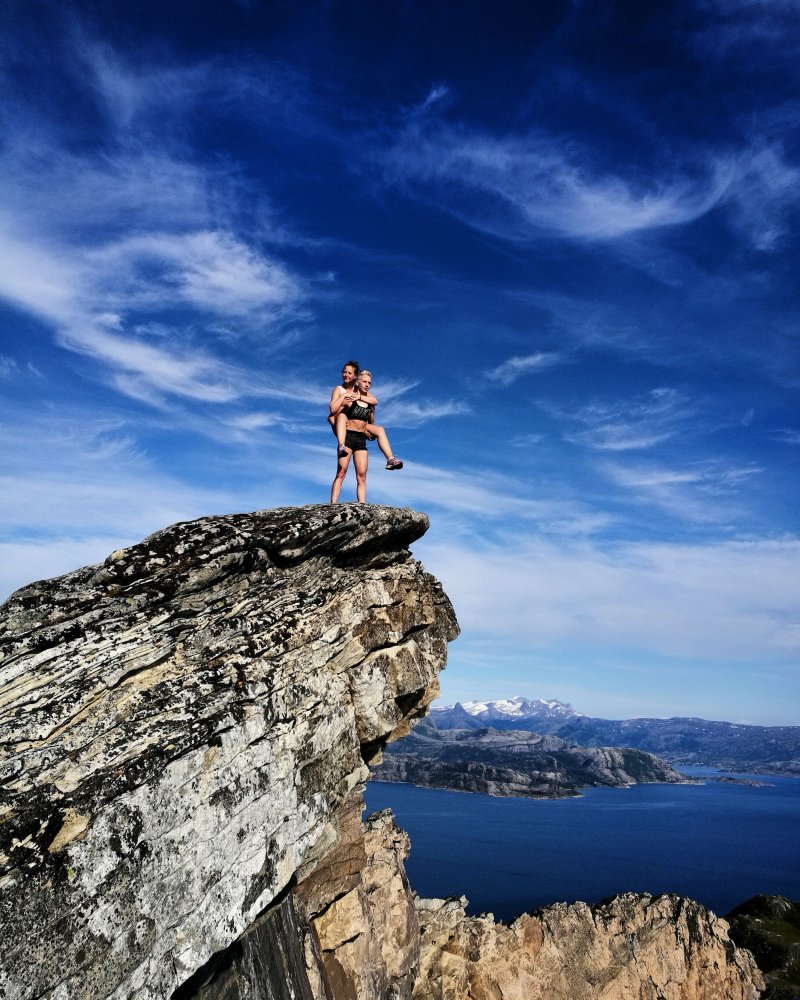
<point>516,763</point>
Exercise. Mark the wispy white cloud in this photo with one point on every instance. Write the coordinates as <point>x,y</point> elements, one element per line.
<point>254,421</point>
<point>130,94</point>
<point>536,184</point>
<point>93,195</point>
<point>436,95</point>
<point>146,371</point>
<point>523,186</point>
<point>512,369</point>
<point>60,483</point>
<point>146,93</point>
<point>788,436</point>
<point>395,409</point>
<point>526,440</point>
<point>150,372</point>
<point>707,492</point>
<point>765,197</point>
<point>759,334</point>
<point>86,304</point>
<point>38,279</point>
<point>587,323</point>
<point>753,29</point>
<point>389,389</point>
<point>109,246</point>
<point>627,425</point>
<point>209,270</point>
<point>722,601</point>
<point>418,413</point>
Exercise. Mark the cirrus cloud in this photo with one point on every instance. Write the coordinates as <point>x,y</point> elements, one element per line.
<point>512,369</point>
<point>523,186</point>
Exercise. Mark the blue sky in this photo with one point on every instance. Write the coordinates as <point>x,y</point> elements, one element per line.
<point>563,236</point>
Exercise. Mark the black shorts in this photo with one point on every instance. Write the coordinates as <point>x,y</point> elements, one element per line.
<point>355,441</point>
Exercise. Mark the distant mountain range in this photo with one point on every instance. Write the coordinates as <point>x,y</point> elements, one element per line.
<point>514,763</point>
<point>681,741</point>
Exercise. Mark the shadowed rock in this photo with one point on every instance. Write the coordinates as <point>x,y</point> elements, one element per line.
<point>769,926</point>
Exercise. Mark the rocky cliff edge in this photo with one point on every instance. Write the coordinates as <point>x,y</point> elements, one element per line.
<point>184,735</point>
<point>180,726</point>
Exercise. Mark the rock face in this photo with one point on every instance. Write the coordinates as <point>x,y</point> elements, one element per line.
<point>364,932</point>
<point>181,726</point>
<point>515,763</point>
<point>184,736</point>
<point>634,946</point>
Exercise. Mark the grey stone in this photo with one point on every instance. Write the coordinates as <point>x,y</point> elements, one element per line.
<point>180,726</point>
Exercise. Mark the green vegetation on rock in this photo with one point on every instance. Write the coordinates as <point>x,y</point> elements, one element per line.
<point>769,927</point>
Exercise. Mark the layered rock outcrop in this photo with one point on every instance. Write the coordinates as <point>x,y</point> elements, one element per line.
<point>363,941</point>
<point>180,727</point>
<point>633,947</point>
<point>184,736</point>
<point>376,945</point>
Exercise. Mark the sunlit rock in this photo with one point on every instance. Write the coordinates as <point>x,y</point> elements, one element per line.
<point>181,726</point>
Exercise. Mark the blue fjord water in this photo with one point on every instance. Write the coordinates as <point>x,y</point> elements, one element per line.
<point>717,843</point>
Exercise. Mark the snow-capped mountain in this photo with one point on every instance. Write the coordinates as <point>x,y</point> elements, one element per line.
<point>484,713</point>
<point>520,707</point>
<point>680,740</point>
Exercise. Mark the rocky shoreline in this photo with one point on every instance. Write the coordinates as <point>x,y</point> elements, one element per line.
<point>511,763</point>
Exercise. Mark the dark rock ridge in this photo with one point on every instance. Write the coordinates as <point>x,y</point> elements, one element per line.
<point>769,927</point>
<point>681,741</point>
<point>514,763</point>
<point>184,739</point>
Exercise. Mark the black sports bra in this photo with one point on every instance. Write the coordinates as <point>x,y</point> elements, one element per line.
<point>358,411</point>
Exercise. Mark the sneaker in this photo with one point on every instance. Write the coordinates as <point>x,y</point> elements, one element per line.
<point>342,452</point>
<point>393,463</point>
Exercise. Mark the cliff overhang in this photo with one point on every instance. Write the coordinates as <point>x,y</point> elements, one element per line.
<point>181,727</point>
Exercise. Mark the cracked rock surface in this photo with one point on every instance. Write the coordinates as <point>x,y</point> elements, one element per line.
<point>181,728</point>
<point>632,947</point>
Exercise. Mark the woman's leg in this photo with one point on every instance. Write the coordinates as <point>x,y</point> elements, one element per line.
<point>340,430</point>
<point>360,460</point>
<point>339,427</point>
<point>341,472</point>
<point>379,434</point>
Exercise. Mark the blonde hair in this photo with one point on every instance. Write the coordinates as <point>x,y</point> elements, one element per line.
<point>365,371</point>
